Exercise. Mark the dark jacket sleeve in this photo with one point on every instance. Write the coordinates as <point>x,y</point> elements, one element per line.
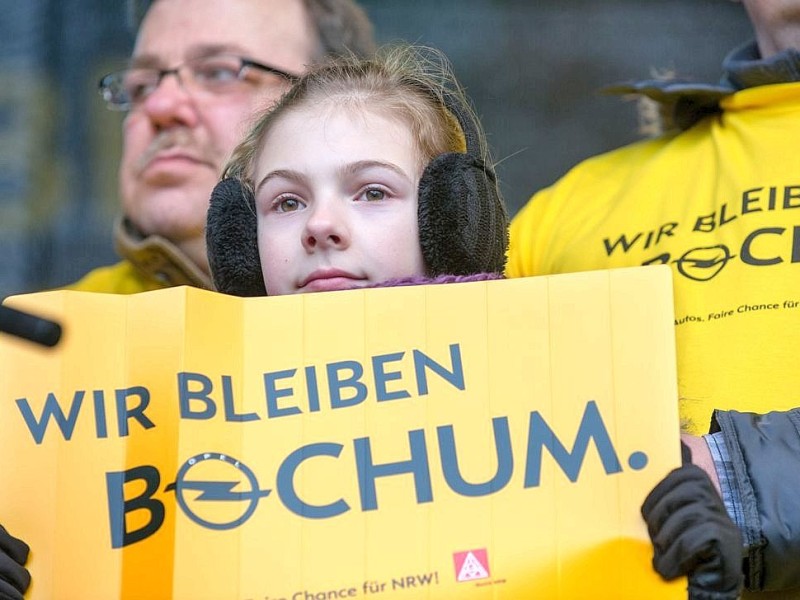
<point>765,456</point>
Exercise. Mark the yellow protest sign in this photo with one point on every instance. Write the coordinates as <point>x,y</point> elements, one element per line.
<point>481,440</point>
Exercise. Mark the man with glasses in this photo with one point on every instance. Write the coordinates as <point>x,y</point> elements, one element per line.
<point>199,71</point>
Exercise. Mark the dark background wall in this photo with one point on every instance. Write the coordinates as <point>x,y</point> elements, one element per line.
<point>532,67</point>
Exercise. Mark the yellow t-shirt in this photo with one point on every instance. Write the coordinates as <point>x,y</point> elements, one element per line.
<point>720,203</point>
<point>121,278</point>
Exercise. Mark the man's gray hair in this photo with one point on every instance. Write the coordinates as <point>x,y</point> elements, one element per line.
<point>342,26</point>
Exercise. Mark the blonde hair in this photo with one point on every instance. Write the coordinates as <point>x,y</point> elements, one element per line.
<point>411,83</point>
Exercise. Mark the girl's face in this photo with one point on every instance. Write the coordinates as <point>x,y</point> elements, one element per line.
<point>336,196</point>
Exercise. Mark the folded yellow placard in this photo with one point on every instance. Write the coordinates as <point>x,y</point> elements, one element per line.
<point>480,440</point>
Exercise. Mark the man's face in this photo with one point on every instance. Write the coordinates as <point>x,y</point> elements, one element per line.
<point>177,140</point>
<point>776,23</point>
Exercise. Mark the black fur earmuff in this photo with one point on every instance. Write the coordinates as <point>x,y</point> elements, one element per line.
<point>232,240</point>
<point>463,224</point>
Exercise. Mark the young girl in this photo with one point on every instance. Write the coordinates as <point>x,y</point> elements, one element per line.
<point>366,171</point>
<point>373,172</point>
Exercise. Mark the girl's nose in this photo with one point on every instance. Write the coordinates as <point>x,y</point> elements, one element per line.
<point>326,228</point>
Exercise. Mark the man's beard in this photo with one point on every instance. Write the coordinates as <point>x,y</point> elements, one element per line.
<point>175,137</point>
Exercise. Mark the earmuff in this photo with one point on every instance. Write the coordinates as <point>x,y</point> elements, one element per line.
<point>463,224</point>
<point>232,240</point>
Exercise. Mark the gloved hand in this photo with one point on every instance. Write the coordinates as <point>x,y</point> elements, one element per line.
<point>14,577</point>
<point>693,535</point>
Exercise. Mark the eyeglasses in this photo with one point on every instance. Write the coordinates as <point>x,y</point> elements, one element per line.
<point>218,74</point>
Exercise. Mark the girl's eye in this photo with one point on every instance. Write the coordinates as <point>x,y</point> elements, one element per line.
<point>373,194</point>
<point>287,205</point>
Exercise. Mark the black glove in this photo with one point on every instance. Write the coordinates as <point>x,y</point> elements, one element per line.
<point>14,577</point>
<point>693,535</point>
